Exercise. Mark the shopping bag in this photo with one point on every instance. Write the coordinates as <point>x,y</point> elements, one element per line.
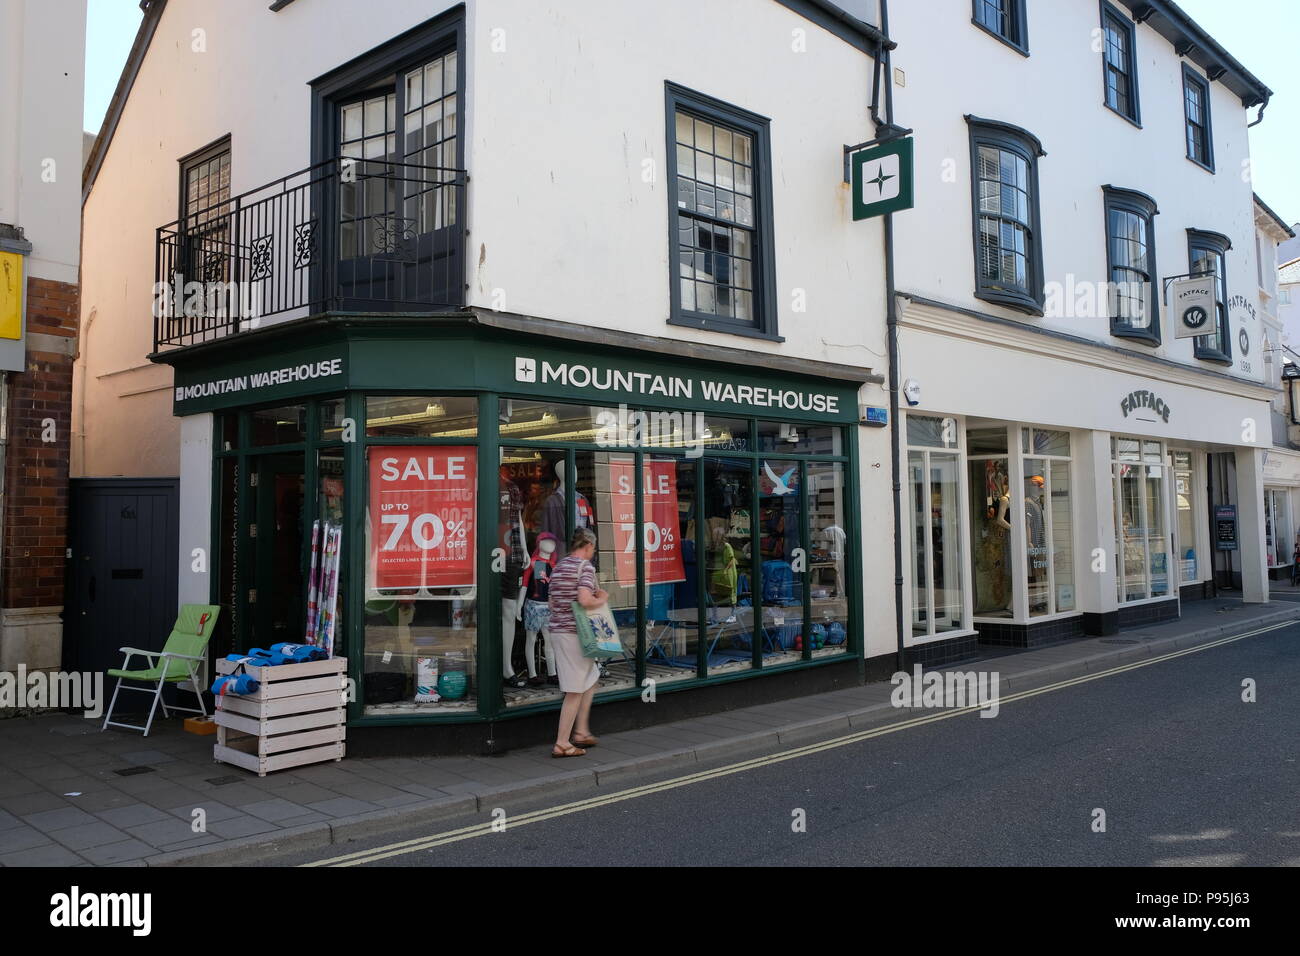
<point>597,632</point>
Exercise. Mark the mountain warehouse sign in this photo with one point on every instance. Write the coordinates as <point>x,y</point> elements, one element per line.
<point>604,379</point>
<point>252,381</point>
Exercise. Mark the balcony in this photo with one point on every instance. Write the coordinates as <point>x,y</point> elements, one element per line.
<point>341,236</point>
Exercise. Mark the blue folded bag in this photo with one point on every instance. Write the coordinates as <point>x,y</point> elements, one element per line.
<point>250,661</point>
<point>285,653</point>
<point>235,684</point>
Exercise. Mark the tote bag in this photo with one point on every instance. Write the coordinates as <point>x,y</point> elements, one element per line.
<point>597,632</point>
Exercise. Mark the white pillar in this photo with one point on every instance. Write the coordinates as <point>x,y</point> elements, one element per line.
<point>195,509</point>
<point>1095,575</point>
<point>1250,525</point>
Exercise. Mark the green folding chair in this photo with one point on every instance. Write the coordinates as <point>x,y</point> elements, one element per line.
<point>183,658</point>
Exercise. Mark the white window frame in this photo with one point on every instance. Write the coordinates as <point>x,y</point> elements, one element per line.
<point>958,454</point>
<point>1117,512</point>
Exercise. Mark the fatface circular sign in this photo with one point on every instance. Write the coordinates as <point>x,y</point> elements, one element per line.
<point>1244,341</point>
<point>1195,317</point>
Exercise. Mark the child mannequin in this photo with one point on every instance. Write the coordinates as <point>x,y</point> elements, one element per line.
<point>534,610</point>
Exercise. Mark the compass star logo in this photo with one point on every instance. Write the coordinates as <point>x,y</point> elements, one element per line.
<point>880,180</point>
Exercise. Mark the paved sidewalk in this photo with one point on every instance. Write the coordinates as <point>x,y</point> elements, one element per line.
<point>72,796</point>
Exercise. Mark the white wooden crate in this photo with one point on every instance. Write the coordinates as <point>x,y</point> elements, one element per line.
<point>295,717</point>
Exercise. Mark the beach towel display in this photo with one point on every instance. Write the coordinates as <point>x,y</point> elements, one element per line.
<point>323,585</point>
<point>426,680</point>
<point>313,585</point>
<point>235,684</point>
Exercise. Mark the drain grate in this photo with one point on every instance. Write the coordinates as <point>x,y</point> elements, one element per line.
<point>1118,640</point>
<point>222,781</point>
<point>132,771</point>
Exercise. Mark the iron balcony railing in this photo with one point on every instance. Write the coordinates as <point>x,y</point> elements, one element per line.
<point>348,235</point>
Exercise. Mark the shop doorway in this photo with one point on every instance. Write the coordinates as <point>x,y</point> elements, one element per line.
<point>276,605</point>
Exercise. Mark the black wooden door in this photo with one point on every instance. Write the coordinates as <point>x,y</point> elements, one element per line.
<point>122,572</point>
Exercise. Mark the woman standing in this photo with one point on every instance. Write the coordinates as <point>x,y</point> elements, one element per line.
<point>574,579</point>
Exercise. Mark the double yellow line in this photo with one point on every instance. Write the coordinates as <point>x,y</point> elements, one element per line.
<point>418,844</point>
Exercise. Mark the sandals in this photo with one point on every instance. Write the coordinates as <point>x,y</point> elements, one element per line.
<point>569,751</point>
<point>584,741</point>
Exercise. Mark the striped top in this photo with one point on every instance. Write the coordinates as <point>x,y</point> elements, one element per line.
<point>571,573</point>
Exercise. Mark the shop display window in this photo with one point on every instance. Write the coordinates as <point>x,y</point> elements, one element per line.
<point>1277,530</point>
<point>285,425</point>
<point>422,416</point>
<point>421,589</point>
<point>726,545</point>
<point>790,439</point>
<point>1185,494</point>
<point>1049,521</point>
<point>1142,549</point>
<point>989,485</point>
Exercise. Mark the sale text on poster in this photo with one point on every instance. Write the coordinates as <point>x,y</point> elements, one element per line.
<point>660,520</point>
<point>422,516</point>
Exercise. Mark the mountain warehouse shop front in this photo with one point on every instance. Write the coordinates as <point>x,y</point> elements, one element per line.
<point>1058,488</point>
<point>449,462</point>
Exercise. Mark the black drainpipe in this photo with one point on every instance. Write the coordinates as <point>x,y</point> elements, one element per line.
<point>891,321</point>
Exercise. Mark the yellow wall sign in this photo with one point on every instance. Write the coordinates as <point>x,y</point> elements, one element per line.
<point>11,295</point>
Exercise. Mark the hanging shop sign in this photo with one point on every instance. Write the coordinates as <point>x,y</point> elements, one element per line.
<point>1225,527</point>
<point>661,520</point>
<point>883,179</point>
<point>1193,305</point>
<point>422,516</point>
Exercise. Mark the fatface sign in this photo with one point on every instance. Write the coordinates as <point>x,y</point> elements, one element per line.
<point>1146,406</point>
<point>883,179</point>
<point>1193,306</point>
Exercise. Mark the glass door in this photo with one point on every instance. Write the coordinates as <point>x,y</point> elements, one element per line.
<point>934,493</point>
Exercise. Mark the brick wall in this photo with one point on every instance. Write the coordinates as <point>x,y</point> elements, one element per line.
<point>36,471</point>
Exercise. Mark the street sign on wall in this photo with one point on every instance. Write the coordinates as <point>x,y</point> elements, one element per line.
<point>883,179</point>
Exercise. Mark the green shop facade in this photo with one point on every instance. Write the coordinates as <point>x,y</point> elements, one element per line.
<point>724,496</point>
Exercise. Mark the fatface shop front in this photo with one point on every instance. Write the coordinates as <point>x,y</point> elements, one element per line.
<point>395,491</point>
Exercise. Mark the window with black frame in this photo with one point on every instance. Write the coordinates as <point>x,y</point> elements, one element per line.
<point>205,214</point>
<point>1119,63</point>
<point>1196,110</point>
<point>1206,252</point>
<point>1008,253</point>
<point>397,142</point>
<point>1131,261</point>
<point>719,216</point>
<point>1005,19</point>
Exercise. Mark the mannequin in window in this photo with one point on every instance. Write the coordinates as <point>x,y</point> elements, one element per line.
<point>993,547</point>
<point>1036,542</point>
<point>553,510</point>
<point>534,609</point>
<point>511,530</point>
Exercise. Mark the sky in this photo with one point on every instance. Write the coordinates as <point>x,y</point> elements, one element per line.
<point>1261,34</point>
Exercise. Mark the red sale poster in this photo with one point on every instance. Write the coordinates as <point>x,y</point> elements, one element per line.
<point>661,523</point>
<point>422,516</point>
